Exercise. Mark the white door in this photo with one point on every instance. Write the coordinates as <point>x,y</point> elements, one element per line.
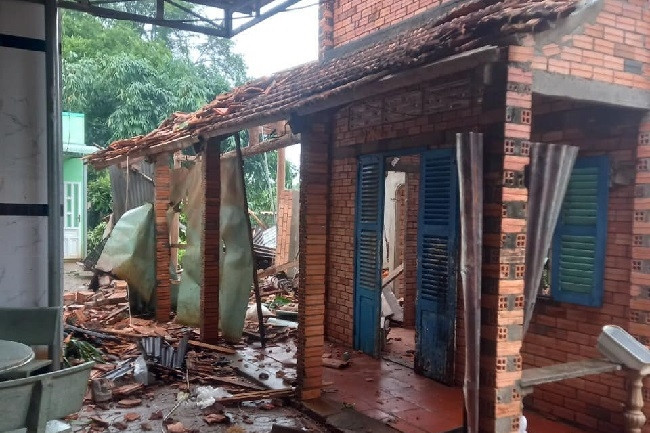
<point>72,220</point>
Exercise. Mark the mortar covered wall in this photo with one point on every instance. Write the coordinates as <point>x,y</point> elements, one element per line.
<point>562,332</point>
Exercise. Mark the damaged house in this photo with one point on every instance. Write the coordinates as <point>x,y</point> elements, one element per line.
<point>394,86</point>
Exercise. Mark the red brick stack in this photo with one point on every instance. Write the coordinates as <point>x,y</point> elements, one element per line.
<point>162,179</point>
<point>211,244</point>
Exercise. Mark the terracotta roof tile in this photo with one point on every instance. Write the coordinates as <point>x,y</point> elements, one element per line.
<point>470,25</point>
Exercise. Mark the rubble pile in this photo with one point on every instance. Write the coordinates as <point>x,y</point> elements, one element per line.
<point>136,358</point>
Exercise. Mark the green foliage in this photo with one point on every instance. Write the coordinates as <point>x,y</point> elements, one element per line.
<point>81,350</point>
<point>126,81</point>
<point>99,196</point>
<point>127,78</point>
<point>94,237</point>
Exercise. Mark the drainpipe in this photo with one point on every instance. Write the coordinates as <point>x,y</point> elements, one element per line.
<point>54,173</point>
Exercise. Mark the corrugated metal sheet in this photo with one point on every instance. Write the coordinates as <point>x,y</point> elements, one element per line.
<point>550,170</point>
<point>140,188</point>
<point>470,175</point>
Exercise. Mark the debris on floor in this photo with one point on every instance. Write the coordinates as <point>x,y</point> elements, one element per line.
<point>148,374</point>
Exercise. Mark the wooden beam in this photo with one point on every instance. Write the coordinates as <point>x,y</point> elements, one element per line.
<point>389,82</point>
<point>281,175</point>
<point>265,146</point>
<point>174,226</point>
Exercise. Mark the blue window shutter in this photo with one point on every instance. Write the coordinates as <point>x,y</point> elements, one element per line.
<point>579,242</point>
<point>369,216</point>
<point>437,270</point>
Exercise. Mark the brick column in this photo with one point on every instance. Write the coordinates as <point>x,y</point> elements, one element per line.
<point>211,244</point>
<point>639,318</point>
<point>325,26</point>
<point>411,248</point>
<point>162,179</point>
<point>314,192</point>
<point>505,242</point>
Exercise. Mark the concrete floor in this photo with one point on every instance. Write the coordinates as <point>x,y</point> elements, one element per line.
<point>251,417</point>
<point>74,277</point>
<point>400,347</point>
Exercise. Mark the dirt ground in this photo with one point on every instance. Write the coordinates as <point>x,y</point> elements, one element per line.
<point>251,417</point>
<point>74,277</point>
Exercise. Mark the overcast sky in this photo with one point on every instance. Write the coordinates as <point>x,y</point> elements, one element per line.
<point>281,42</point>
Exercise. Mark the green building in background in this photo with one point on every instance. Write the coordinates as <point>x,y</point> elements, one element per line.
<point>75,186</point>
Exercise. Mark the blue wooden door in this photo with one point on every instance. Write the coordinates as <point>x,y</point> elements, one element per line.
<point>369,218</point>
<point>436,273</point>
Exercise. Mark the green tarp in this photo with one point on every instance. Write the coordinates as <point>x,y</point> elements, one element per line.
<point>130,253</point>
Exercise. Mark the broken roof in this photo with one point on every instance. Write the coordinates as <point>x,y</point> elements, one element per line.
<point>470,25</point>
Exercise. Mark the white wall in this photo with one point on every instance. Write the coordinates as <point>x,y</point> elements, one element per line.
<point>393,180</point>
<point>23,239</point>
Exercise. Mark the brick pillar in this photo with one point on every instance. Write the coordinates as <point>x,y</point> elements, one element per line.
<point>162,179</point>
<point>314,192</point>
<point>325,26</point>
<point>211,244</point>
<point>411,248</point>
<point>505,242</point>
<point>640,277</point>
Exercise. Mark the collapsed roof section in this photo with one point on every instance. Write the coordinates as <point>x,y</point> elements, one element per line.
<point>301,90</point>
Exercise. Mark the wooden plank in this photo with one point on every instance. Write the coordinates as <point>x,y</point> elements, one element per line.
<point>272,270</point>
<point>335,363</point>
<point>232,380</point>
<point>220,349</point>
<point>256,395</point>
<point>392,275</point>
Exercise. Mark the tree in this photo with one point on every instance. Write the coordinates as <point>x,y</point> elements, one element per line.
<point>127,80</point>
<point>127,84</point>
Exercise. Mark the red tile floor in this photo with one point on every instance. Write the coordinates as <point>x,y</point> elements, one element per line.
<point>394,394</point>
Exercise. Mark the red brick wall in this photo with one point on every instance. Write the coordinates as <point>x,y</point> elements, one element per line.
<point>283,236</point>
<point>614,47</point>
<point>406,116</point>
<point>563,332</point>
<point>353,19</point>
<point>340,298</point>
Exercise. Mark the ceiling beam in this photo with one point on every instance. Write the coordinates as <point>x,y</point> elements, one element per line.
<point>126,16</point>
<point>264,15</point>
